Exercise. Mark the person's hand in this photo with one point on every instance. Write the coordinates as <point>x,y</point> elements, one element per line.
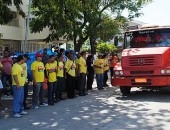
<point>35,83</point>
<point>18,86</point>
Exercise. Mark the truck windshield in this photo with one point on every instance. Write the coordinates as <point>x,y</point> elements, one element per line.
<point>147,38</point>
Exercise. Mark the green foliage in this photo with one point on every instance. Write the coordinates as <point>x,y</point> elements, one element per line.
<point>104,47</point>
<point>5,11</point>
<point>79,20</point>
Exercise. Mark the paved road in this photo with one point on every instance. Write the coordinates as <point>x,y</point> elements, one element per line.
<point>100,110</point>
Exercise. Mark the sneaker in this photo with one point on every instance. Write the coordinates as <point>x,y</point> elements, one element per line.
<point>17,115</point>
<point>23,113</point>
<point>35,107</point>
<point>43,105</point>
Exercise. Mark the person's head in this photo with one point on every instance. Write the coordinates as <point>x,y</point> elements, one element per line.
<point>90,58</point>
<point>39,56</point>
<point>83,54</point>
<point>78,55</point>
<point>67,53</point>
<point>104,56</point>
<point>62,51</point>
<point>60,56</point>
<point>26,57</point>
<point>99,56</point>
<point>20,59</point>
<point>6,53</point>
<point>71,56</point>
<point>114,54</point>
<point>45,51</point>
<point>52,58</point>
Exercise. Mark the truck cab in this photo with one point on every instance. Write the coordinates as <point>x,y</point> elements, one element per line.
<point>145,59</point>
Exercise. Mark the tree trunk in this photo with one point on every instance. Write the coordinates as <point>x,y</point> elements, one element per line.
<point>93,45</point>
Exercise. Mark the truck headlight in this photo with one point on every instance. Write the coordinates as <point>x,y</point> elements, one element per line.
<point>121,72</point>
<point>116,72</point>
<point>162,71</point>
<point>168,71</point>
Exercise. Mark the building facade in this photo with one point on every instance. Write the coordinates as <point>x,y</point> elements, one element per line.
<point>13,34</point>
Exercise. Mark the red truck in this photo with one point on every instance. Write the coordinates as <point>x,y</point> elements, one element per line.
<point>145,60</point>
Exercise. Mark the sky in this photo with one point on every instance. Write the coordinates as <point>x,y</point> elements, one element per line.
<point>156,12</point>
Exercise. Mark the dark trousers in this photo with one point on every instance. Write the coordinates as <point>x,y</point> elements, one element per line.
<point>111,72</point>
<point>70,84</point>
<point>5,78</point>
<point>51,89</point>
<point>77,83</point>
<point>38,93</point>
<point>82,83</point>
<point>90,78</point>
<point>105,78</point>
<point>25,94</point>
<point>60,87</point>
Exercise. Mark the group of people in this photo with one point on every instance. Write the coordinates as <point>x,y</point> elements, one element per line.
<point>62,71</point>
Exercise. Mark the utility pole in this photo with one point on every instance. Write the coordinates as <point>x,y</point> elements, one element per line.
<point>27,26</point>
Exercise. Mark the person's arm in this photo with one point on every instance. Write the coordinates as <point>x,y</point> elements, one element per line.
<point>33,76</point>
<point>16,81</point>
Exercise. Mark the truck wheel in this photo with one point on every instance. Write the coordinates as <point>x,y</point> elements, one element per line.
<point>125,90</point>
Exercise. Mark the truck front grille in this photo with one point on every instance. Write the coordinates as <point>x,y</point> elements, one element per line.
<point>142,72</point>
<point>141,61</point>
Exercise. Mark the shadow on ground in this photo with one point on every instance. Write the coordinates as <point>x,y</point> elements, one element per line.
<point>100,110</point>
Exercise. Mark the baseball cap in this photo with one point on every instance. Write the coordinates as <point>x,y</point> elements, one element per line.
<point>39,55</point>
<point>26,56</point>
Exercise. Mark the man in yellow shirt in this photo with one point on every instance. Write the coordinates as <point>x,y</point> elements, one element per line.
<point>82,70</point>
<point>37,68</point>
<point>106,68</point>
<point>70,67</point>
<point>51,67</point>
<point>18,81</point>
<point>60,77</point>
<point>99,68</point>
<point>24,66</point>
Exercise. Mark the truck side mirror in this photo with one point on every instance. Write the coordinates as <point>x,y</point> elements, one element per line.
<point>116,40</point>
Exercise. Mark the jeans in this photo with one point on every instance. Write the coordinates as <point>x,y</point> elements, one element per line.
<point>105,78</point>
<point>25,94</point>
<point>6,78</point>
<point>51,89</point>
<point>90,78</point>
<point>18,95</point>
<point>99,79</point>
<point>60,86</point>
<point>82,83</point>
<point>38,93</point>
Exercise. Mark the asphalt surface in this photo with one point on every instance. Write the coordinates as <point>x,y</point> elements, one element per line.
<point>100,110</point>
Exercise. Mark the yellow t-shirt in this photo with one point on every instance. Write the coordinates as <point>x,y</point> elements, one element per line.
<point>70,67</point>
<point>83,67</point>
<point>99,62</point>
<point>51,76</point>
<point>24,67</point>
<point>106,65</point>
<point>19,72</point>
<point>60,72</point>
<point>38,67</point>
<point>1,65</point>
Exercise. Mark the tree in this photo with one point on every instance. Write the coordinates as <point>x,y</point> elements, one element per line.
<point>103,47</point>
<point>79,20</point>
<point>5,11</point>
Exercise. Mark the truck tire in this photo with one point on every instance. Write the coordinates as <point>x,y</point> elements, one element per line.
<point>125,90</point>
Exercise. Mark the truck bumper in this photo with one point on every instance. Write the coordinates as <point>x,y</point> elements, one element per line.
<point>160,81</point>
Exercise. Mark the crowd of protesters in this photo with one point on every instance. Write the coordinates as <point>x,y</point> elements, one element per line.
<point>63,71</point>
